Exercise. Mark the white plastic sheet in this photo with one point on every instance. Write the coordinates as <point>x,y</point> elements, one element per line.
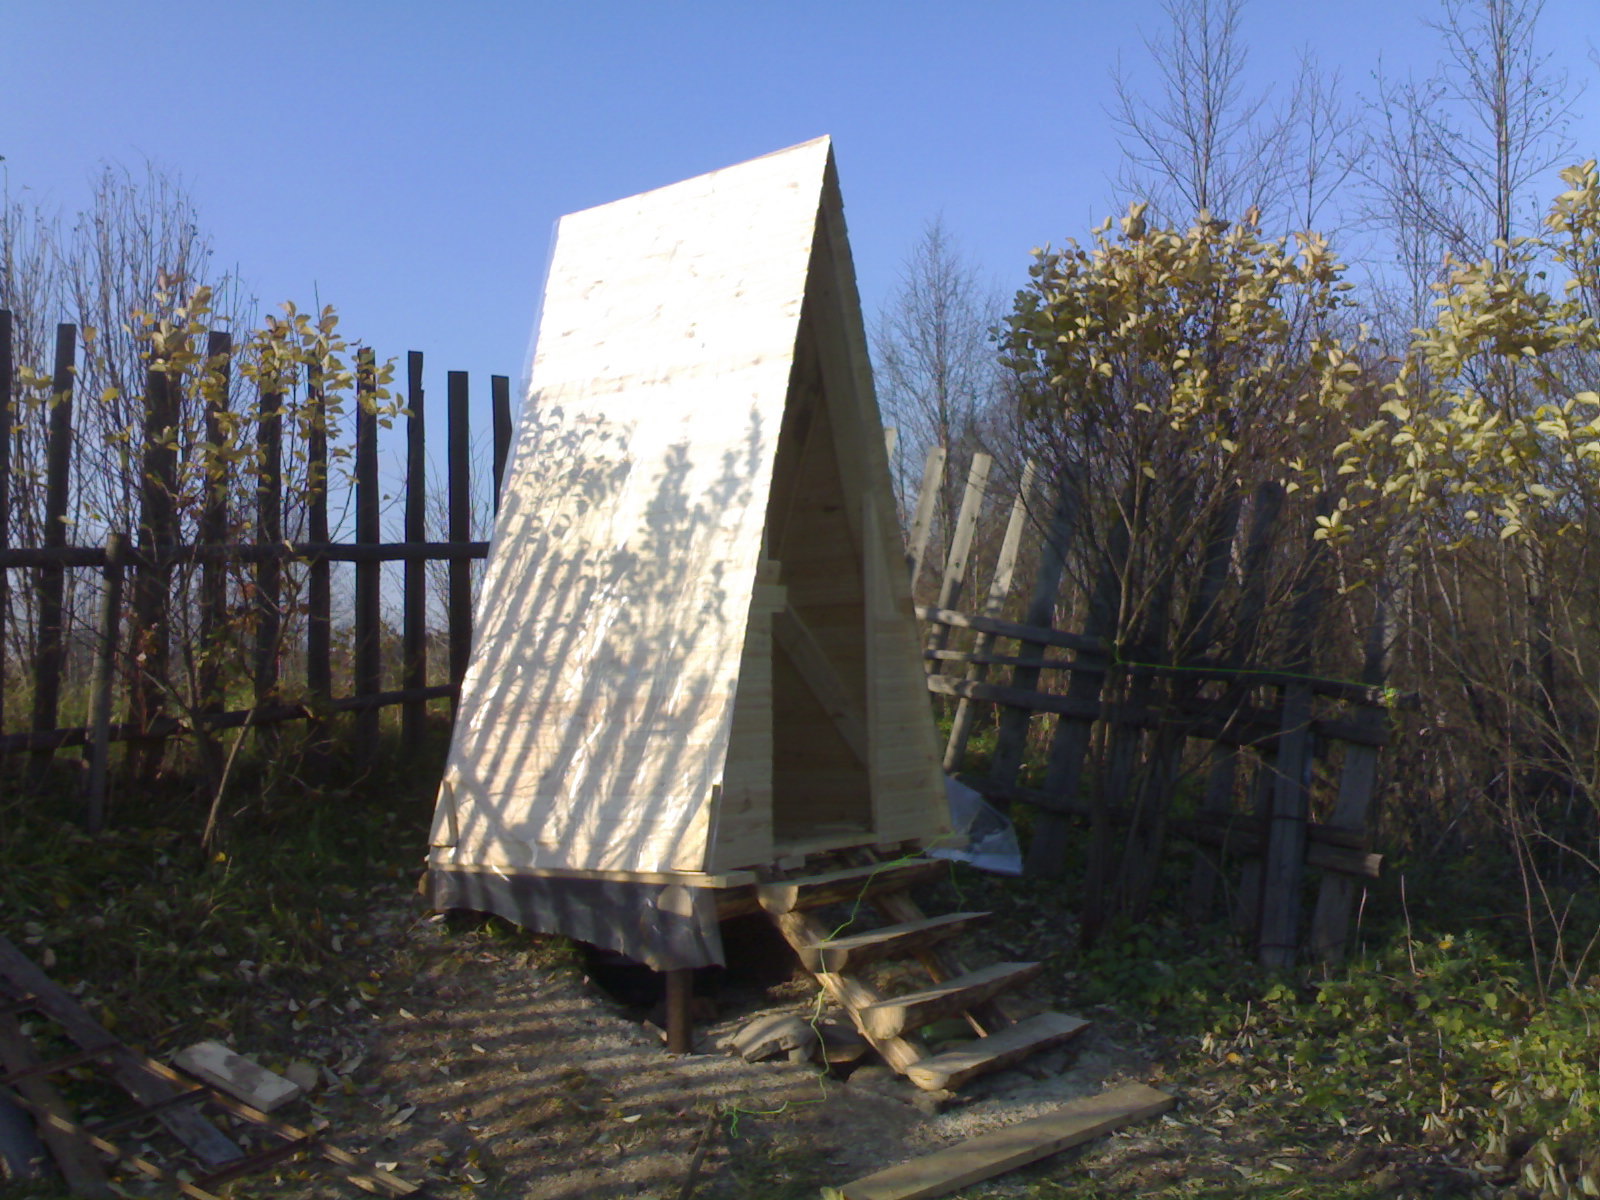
<point>990,837</point>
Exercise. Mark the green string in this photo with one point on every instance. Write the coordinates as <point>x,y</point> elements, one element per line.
<point>1391,695</point>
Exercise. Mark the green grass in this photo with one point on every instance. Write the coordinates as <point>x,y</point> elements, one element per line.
<point>1439,1051</point>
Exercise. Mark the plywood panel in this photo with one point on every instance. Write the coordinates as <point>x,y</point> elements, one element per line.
<point>595,717</point>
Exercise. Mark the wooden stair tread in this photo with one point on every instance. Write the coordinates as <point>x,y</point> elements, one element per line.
<point>857,949</point>
<point>832,887</point>
<point>888,1018</point>
<point>954,1067</point>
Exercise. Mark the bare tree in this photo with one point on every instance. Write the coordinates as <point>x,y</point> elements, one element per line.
<point>125,266</point>
<point>28,238</point>
<point>1201,141</point>
<point>937,378</point>
<point>138,248</point>
<point>1458,153</point>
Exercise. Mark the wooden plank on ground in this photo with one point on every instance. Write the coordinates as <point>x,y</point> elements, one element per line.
<point>80,1165</point>
<point>1015,1146</point>
<point>992,1154</point>
<point>22,979</point>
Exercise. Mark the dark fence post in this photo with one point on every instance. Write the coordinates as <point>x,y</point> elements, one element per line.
<point>158,487</point>
<point>52,579</point>
<point>319,587</point>
<point>460,454</point>
<point>1069,744</point>
<point>1223,774</point>
<point>500,402</point>
<point>105,670</point>
<point>269,532</point>
<point>214,523</point>
<point>1284,862</point>
<point>413,717</point>
<point>7,367</point>
<point>368,671</point>
<point>1358,776</point>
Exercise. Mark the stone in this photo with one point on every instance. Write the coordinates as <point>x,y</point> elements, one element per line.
<point>242,1078</point>
<point>840,1041</point>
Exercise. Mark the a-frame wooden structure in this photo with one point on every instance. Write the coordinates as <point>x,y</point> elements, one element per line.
<point>695,649</point>
<point>696,665</point>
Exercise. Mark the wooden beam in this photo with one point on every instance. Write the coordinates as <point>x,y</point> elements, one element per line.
<point>414,614</point>
<point>1235,725</point>
<point>922,521</point>
<point>80,1165</point>
<point>955,752</point>
<point>1034,634</point>
<point>955,565</point>
<point>680,995</point>
<point>791,633</point>
<point>132,1071</point>
<point>1014,1146</point>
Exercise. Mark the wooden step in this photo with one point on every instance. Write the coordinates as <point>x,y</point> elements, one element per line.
<point>848,992</point>
<point>853,952</point>
<point>834,887</point>
<point>955,1067</point>
<point>889,1018</point>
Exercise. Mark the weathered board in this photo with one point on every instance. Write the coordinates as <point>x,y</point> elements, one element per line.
<point>695,649</point>
<point>984,1157</point>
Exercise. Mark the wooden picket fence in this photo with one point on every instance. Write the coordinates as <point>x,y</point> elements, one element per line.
<point>1262,731</point>
<point>146,563</point>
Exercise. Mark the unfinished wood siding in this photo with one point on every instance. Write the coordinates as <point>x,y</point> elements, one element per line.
<point>742,809</point>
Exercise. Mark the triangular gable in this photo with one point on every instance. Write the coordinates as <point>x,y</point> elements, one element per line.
<point>594,717</point>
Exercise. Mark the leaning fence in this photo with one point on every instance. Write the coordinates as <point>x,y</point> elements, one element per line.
<point>1283,763</point>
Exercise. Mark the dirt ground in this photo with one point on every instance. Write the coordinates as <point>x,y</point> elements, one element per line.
<point>484,1064</point>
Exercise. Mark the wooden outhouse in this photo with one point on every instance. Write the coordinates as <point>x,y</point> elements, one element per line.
<point>695,653</point>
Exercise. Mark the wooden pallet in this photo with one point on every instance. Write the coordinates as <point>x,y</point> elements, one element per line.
<point>890,1023</point>
<point>84,1152</point>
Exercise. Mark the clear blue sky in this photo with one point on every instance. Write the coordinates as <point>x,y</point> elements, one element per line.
<point>405,161</point>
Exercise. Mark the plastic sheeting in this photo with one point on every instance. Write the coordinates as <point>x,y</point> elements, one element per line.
<point>664,926</point>
<point>991,839</point>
